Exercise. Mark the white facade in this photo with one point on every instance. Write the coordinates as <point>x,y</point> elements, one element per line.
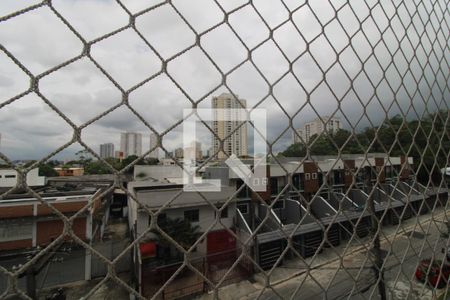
<point>156,194</point>
<point>131,143</point>
<point>153,143</point>
<point>193,151</point>
<point>8,178</point>
<point>107,150</point>
<point>317,126</point>
<point>235,143</point>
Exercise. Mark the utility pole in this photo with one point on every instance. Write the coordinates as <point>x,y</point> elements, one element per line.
<point>31,272</point>
<point>375,226</point>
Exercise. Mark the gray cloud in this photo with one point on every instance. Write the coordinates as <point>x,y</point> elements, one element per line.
<point>30,129</point>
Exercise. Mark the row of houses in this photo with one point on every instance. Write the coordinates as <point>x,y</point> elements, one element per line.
<point>308,205</point>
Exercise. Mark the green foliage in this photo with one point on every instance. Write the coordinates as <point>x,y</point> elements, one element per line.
<point>99,167</point>
<point>141,175</point>
<point>181,231</point>
<point>47,170</point>
<point>295,150</point>
<point>84,157</point>
<point>427,141</point>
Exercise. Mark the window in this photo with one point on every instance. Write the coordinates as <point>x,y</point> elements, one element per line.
<point>307,176</point>
<point>224,212</point>
<point>162,218</point>
<point>314,175</point>
<point>243,208</point>
<point>191,215</point>
<point>296,181</point>
<point>15,231</point>
<point>244,193</point>
<point>10,176</point>
<point>274,185</point>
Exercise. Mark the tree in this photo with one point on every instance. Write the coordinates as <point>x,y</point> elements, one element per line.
<point>295,150</point>
<point>84,157</point>
<point>322,145</point>
<point>47,170</point>
<point>97,167</point>
<point>180,230</point>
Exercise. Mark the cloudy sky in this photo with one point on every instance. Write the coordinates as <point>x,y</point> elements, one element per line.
<point>404,54</point>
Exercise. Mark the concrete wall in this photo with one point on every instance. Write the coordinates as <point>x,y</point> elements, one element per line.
<point>158,197</point>
<point>206,218</point>
<point>47,231</point>
<point>292,213</point>
<point>111,250</point>
<point>8,178</point>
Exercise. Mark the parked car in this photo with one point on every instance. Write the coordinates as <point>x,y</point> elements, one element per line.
<point>437,276</point>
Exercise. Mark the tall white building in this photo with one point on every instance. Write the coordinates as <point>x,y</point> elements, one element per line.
<point>107,150</point>
<point>194,151</point>
<point>235,143</point>
<point>317,126</point>
<point>131,143</point>
<point>153,143</point>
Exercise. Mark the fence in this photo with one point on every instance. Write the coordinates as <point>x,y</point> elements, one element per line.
<point>358,137</point>
<point>187,283</point>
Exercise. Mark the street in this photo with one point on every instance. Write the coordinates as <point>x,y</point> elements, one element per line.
<point>345,272</point>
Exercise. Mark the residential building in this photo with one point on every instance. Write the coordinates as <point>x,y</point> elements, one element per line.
<point>167,161</point>
<point>317,126</point>
<point>153,144</point>
<point>119,155</point>
<point>194,151</point>
<point>336,191</point>
<point>29,224</point>
<point>297,136</point>
<point>217,251</point>
<point>71,171</point>
<point>131,143</point>
<point>226,120</point>
<point>107,150</point>
<point>327,197</point>
<point>8,178</point>
<point>178,153</point>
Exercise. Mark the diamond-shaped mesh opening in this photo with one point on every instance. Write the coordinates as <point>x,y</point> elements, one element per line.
<point>355,149</point>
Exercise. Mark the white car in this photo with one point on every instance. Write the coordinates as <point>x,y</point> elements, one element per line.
<point>446,171</point>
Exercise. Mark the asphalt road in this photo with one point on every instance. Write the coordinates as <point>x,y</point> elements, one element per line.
<point>353,277</point>
<point>67,268</point>
<point>346,272</point>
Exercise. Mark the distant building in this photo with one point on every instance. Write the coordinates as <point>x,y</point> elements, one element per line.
<point>119,155</point>
<point>167,162</point>
<point>209,152</point>
<point>107,150</point>
<point>153,143</point>
<point>74,171</point>
<point>236,142</point>
<point>194,151</point>
<point>178,153</point>
<point>8,178</point>
<point>219,246</point>
<point>131,143</point>
<point>317,126</point>
<point>28,223</point>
